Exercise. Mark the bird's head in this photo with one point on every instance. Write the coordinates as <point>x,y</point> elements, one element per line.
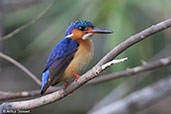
<point>83,29</point>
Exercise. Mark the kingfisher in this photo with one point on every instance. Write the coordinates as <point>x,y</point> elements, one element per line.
<point>70,55</point>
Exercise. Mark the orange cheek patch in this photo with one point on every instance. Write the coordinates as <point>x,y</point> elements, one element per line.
<point>77,34</point>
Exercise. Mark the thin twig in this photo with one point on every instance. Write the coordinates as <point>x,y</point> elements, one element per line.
<point>113,62</point>
<point>55,96</point>
<point>19,29</point>
<point>131,72</point>
<point>21,67</point>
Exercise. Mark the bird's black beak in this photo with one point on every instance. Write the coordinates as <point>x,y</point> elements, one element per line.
<point>99,31</point>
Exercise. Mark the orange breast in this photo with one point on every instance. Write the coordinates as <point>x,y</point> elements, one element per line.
<point>81,59</point>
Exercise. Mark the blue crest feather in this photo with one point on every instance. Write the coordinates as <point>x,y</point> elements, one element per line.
<point>77,24</point>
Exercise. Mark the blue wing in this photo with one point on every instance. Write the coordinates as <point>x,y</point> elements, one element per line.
<point>58,60</point>
<point>62,49</point>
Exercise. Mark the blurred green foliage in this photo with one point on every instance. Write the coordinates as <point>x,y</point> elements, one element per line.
<point>124,17</point>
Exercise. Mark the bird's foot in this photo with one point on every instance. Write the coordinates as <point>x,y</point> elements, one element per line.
<point>67,84</point>
<point>77,76</point>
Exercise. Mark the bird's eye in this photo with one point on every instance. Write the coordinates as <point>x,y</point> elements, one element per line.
<point>81,28</point>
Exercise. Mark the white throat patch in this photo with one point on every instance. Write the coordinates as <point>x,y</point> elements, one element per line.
<point>69,35</point>
<point>86,36</point>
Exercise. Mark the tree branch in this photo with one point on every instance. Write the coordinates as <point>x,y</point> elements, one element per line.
<point>96,70</point>
<point>135,39</point>
<point>128,85</point>
<point>21,67</point>
<point>19,29</point>
<point>131,72</point>
<point>50,98</point>
<point>139,99</point>
<point>24,94</point>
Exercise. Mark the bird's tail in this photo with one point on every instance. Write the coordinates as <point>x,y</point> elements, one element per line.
<point>45,82</point>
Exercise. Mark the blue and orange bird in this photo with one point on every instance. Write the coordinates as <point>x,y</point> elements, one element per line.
<point>71,54</point>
